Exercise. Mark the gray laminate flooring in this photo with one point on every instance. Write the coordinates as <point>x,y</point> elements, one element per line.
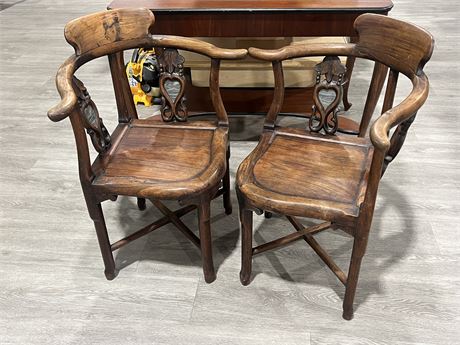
<point>52,287</point>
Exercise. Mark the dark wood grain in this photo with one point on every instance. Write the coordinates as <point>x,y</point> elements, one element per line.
<point>318,249</point>
<point>256,24</point>
<point>99,29</point>
<point>292,18</point>
<point>51,272</point>
<point>295,236</point>
<point>316,178</point>
<point>375,89</point>
<point>255,5</point>
<point>206,246</point>
<point>246,241</point>
<point>314,173</point>
<point>171,65</point>
<point>145,158</point>
<point>151,227</point>
<point>123,96</point>
<point>330,75</point>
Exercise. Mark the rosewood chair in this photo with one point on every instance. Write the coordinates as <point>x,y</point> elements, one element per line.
<point>319,172</point>
<point>168,159</point>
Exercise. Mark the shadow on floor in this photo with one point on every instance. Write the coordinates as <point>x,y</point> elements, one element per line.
<point>7,4</point>
<point>167,244</point>
<point>339,244</point>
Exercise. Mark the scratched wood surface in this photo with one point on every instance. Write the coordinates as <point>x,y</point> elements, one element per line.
<point>54,292</point>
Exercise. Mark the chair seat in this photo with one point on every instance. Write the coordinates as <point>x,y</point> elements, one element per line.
<point>153,159</point>
<point>305,174</point>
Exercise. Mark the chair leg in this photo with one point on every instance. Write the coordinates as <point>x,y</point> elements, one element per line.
<point>359,248</point>
<point>246,246</point>
<point>95,211</point>
<point>205,241</point>
<point>226,186</point>
<point>141,204</point>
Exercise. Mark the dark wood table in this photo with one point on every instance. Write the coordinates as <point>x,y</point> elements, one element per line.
<point>256,18</point>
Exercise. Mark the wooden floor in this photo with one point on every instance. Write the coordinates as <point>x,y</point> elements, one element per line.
<point>52,286</point>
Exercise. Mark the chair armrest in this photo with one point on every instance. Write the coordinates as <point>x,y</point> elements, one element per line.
<point>64,85</point>
<point>198,46</point>
<point>301,50</point>
<point>400,113</point>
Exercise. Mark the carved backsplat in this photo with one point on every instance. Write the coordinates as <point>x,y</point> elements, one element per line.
<point>99,134</point>
<point>172,78</point>
<point>325,116</point>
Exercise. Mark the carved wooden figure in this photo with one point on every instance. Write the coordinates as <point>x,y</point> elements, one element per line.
<point>318,173</point>
<point>145,158</point>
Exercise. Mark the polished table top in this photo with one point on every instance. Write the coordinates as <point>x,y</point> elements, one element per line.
<point>257,18</point>
<point>257,5</point>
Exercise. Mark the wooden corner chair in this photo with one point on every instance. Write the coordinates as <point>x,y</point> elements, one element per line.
<point>168,159</point>
<point>318,172</point>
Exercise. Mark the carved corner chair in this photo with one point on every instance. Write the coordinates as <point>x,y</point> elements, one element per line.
<point>318,172</point>
<point>173,159</point>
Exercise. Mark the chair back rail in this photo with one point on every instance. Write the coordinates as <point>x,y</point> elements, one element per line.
<point>99,35</point>
<point>407,52</point>
<point>145,158</point>
<point>109,34</point>
<point>312,172</point>
<point>105,28</point>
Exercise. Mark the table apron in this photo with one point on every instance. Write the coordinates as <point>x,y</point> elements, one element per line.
<point>255,24</point>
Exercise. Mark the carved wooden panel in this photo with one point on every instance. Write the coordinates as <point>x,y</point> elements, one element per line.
<point>172,85</point>
<point>98,133</point>
<point>329,79</point>
<point>397,141</point>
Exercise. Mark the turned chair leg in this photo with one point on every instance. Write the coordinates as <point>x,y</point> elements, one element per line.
<point>141,204</point>
<point>246,246</point>
<point>205,241</point>
<point>359,248</point>
<point>226,186</point>
<point>95,212</point>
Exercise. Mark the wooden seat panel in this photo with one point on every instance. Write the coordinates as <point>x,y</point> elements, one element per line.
<point>165,157</point>
<point>172,158</point>
<point>158,159</point>
<point>303,166</point>
<point>315,172</point>
<point>302,172</point>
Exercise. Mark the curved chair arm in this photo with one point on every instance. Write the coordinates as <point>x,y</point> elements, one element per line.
<point>65,73</point>
<point>198,46</point>
<point>301,50</point>
<point>64,85</point>
<point>400,113</point>
<point>96,35</point>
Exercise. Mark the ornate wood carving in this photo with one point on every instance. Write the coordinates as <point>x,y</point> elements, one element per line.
<point>172,85</point>
<point>324,117</point>
<point>397,141</point>
<point>98,133</point>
